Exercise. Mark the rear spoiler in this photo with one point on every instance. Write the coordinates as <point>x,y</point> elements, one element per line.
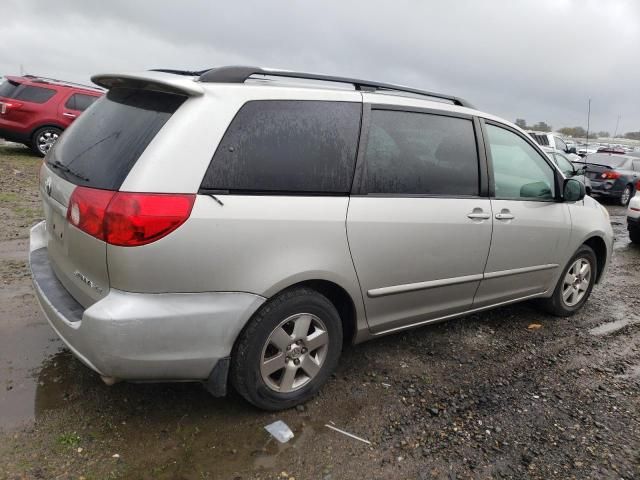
<point>157,81</point>
<point>586,164</point>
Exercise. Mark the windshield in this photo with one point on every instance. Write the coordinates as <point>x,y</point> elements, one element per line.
<point>101,147</point>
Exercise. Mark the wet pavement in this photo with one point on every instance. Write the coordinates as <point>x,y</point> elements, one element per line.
<point>480,397</point>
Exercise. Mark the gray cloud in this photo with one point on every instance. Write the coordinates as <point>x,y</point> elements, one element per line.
<point>538,59</point>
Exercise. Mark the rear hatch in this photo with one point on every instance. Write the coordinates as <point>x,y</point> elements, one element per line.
<point>93,157</point>
<point>19,101</point>
<point>598,163</point>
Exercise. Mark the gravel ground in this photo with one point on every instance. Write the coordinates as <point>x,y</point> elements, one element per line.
<point>480,397</point>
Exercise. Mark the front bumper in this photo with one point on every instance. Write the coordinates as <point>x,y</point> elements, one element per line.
<point>142,337</point>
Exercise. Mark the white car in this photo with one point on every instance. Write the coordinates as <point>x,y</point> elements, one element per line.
<point>633,216</point>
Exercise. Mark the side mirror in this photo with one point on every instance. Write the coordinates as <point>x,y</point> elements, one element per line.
<point>573,190</point>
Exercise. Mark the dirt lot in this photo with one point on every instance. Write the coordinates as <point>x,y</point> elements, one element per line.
<point>480,397</point>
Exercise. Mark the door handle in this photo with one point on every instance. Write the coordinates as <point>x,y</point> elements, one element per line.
<point>478,216</point>
<point>504,216</point>
<point>71,115</point>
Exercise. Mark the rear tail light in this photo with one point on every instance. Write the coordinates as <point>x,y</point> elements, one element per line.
<point>637,185</point>
<point>611,175</point>
<point>8,106</point>
<point>128,219</point>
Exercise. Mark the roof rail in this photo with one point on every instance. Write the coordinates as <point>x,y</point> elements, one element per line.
<point>189,73</point>
<point>61,82</point>
<point>239,74</point>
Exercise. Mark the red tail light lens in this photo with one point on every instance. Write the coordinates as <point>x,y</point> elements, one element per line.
<point>87,208</point>
<point>128,219</point>
<point>611,175</point>
<point>139,218</point>
<point>8,106</point>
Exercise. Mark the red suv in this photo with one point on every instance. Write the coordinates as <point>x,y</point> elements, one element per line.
<point>35,110</point>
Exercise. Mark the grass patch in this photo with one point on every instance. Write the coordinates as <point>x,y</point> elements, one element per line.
<point>69,440</point>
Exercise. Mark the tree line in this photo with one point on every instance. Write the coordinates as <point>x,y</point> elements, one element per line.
<point>578,132</point>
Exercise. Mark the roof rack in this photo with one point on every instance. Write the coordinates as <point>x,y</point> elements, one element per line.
<point>239,74</point>
<point>188,73</point>
<point>38,78</point>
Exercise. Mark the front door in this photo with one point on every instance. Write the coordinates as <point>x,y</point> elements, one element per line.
<point>530,228</point>
<point>418,229</point>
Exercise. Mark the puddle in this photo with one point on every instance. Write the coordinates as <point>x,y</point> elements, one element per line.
<point>607,328</point>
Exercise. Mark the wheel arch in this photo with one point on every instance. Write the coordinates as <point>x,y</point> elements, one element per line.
<point>599,247</point>
<point>49,124</point>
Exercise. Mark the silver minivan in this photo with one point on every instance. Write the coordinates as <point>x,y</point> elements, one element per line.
<point>240,225</point>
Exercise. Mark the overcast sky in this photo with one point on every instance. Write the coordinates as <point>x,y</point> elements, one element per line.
<point>532,59</point>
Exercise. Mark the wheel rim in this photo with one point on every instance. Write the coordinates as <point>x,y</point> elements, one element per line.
<point>626,195</point>
<point>576,282</point>
<point>46,140</point>
<point>294,353</point>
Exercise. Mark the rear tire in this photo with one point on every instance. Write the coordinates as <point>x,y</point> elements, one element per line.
<point>288,350</point>
<point>43,139</point>
<point>627,193</point>
<point>574,285</point>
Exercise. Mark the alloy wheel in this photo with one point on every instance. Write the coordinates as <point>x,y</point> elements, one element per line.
<point>294,353</point>
<point>46,140</point>
<point>576,282</point>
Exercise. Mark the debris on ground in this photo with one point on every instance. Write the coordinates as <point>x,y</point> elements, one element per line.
<point>534,326</point>
<point>348,434</point>
<point>280,431</point>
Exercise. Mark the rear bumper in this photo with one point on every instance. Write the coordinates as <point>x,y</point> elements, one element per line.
<point>142,337</point>
<point>606,188</point>
<point>13,135</point>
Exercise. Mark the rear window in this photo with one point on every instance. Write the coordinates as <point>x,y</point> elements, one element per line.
<point>606,160</point>
<point>29,93</point>
<point>101,147</point>
<point>288,146</point>
<point>7,88</point>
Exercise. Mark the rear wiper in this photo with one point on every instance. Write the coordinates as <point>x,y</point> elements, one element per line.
<point>59,165</point>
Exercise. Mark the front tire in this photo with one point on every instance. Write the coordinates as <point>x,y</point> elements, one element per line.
<point>575,284</point>
<point>43,139</point>
<point>288,350</point>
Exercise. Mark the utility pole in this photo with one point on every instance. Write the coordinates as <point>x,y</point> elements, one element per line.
<point>588,125</point>
<point>615,132</point>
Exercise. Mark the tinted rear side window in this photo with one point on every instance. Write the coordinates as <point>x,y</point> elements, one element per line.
<point>29,93</point>
<point>417,153</point>
<point>7,88</point>
<point>101,147</point>
<point>81,102</point>
<point>288,146</point>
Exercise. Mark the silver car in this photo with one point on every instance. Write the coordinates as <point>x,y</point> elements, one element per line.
<point>240,225</point>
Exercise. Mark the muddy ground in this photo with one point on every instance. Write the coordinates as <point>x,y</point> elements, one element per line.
<point>479,397</point>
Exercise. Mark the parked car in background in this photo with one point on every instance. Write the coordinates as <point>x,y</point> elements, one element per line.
<point>612,149</point>
<point>584,149</point>
<point>568,169</point>
<point>553,141</point>
<point>272,241</point>
<point>613,176</point>
<point>633,216</point>
<point>36,110</point>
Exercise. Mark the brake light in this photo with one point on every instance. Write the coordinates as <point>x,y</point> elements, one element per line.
<point>12,105</point>
<point>637,185</point>
<point>610,175</point>
<point>128,219</point>
<point>87,209</point>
